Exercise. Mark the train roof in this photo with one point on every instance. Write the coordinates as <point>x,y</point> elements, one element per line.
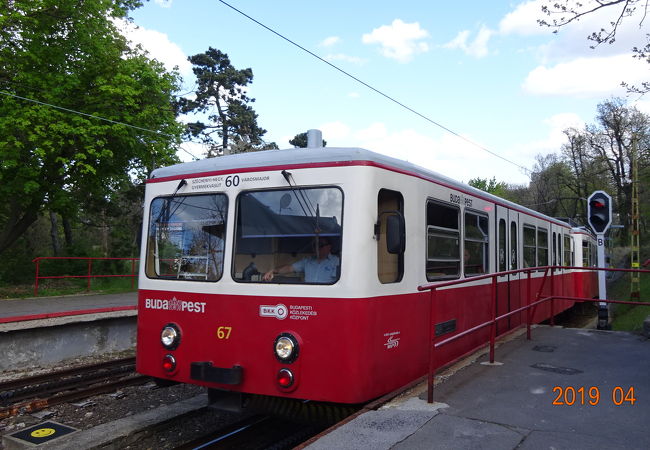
<point>276,159</point>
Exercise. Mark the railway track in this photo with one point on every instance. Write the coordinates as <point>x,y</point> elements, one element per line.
<point>256,432</point>
<point>34,393</point>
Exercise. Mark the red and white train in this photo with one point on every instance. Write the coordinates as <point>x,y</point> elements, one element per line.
<point>294,273</point>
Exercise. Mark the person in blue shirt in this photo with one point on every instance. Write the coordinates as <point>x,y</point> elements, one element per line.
<point>321,268</point>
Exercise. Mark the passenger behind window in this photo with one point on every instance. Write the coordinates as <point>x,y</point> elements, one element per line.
<point>472,263</point>
<point>320,268</point>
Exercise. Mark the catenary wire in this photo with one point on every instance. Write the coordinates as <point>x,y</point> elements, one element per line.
<point>98,118</point>
<point>392,99</point>
<point>84,114</point>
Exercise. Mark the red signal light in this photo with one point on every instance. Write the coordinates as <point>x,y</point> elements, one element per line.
<point>169,363</point>
<point>598,203</point>
<point>285,378</point>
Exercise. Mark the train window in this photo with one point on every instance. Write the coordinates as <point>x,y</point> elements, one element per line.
<point>567,251</point>
<point>542,247</point>
<point>476,244</point>
<point>585,254</point>
<point>530,247</point>
<point>288,236</point>
<point>513,246</point>
<point>443,241</point>
<point>186,237</point>
<point>502,245</point>
<point>390,266</point>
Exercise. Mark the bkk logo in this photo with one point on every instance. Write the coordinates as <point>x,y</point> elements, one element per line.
<point>174,305</point>
<point>278,311</point>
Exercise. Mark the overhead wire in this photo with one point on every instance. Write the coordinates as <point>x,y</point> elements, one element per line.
<point>93,116</point>
<point>376,90</point>
<point>8,94</point>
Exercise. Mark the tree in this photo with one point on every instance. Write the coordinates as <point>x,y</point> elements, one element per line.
<point>69,56</point>
<point>611,140</point>
<point>221,94</point>
<point>548,187</point>
<point>492,186</point>
<point>564,12</point>
<point>300,141</point>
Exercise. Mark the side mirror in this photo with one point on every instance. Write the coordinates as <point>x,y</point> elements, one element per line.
<point>395,233</point>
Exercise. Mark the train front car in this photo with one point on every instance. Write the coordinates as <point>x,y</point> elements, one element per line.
<point>254,278</point>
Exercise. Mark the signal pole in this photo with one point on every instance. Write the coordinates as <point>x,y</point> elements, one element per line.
<point>599,215</point>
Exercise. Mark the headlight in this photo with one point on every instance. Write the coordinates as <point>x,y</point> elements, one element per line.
<point>286,348</point>
<point>170,336</point>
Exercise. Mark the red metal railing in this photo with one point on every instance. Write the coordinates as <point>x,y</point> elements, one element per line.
<point>432,287</point>
<point>89,275</point>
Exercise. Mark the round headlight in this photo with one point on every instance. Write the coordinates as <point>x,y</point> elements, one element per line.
<point>170,337</point>
<point>286,348</point>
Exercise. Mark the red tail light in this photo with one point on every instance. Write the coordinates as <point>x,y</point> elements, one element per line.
<point>169,363</point>
<point>285,378</point>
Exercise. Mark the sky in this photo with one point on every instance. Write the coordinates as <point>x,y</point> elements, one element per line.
<point>483,69</point>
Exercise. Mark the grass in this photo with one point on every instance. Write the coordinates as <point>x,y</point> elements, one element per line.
<point>69,286</point>
<point>629,317</point>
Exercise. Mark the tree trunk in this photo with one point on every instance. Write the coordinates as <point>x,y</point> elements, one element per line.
<point>67,231</point>
<point>54,233</point>
<point>20,219</point>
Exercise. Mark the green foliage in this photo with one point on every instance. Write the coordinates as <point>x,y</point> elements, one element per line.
<point>221,95</point>
<point>69,54</point>
<point>300,141</point>
<point>492,186</point>
<point>629,317</point>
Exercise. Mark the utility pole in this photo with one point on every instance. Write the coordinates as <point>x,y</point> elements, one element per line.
<point>635,288</point>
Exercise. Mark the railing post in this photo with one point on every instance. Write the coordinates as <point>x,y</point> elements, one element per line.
<point>432,347</point>
<point>528,309</point>
<point>38,261</point>
<point>493,327</point>
<point>90,270</point>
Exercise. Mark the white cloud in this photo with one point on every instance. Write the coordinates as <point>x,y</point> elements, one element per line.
<point>523,20</point>
<point>555,137</point>
<point>586,76</point>
<point>158,45</point>
<point>571,41</point>
<point>477,48</point>
<point>164,3</point>
<point>642,105</point>
<point>344,57</point>
<point>399,40</point>
<point>330,41</point>
<point>335,131</point>
<point>447,154</point>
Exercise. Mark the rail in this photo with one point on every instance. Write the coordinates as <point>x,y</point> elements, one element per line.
<point>433,287</point>
<point>89,275</point>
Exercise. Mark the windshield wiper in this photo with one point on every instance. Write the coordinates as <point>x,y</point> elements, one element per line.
<point>307,208</point>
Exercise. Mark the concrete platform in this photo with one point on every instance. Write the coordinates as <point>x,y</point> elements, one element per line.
<point>512,406</point>
<point>44,331</point>
<point>38,306</point>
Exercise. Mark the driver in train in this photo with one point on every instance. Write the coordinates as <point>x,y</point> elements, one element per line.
<point>320,268</point>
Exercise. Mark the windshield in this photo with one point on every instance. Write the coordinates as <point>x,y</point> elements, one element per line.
<point>186,237</point>
<point>289,236</point>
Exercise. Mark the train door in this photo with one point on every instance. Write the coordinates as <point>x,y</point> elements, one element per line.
<point>507,257</point>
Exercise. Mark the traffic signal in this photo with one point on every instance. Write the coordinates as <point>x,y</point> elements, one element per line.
<point>599,211</point>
